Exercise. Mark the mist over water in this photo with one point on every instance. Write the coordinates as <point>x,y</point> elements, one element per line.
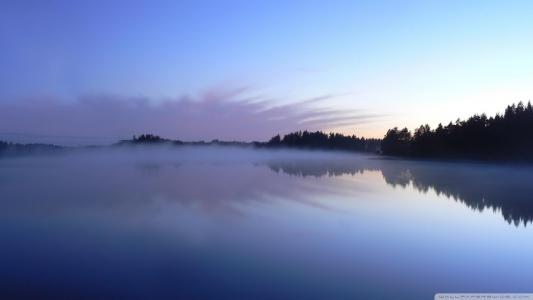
<point>164,223</point>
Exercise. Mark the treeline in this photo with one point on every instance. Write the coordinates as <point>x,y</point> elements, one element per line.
<point>152,139</point>
<point>321,140</point>
<point>507,136</point>
<point>16,149</point>
<point>147,139</point>
<point>299,139</point>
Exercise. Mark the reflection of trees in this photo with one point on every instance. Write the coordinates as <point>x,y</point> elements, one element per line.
<point>124,179</point>
<point>317,168</point>
<point>478,186</point>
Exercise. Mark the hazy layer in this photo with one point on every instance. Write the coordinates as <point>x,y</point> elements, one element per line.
<point>165,222</point>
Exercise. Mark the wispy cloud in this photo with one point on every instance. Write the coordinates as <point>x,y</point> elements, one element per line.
<point>216,114</point>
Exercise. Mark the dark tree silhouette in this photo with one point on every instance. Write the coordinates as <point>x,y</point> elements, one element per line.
<point>148,139</point>
<point>397,141</point>
<point>507,136</point>
<point>16,149</point>
<point>321,140</point>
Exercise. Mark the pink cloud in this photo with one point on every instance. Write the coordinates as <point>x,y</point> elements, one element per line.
<point>216,114</point>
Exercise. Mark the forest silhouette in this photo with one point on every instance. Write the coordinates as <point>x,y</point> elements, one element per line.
<point>321,140</point>
<point>507,136</point>
<point>17,149</point>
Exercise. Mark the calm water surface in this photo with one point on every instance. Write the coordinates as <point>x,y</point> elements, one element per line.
<point>207,223</point>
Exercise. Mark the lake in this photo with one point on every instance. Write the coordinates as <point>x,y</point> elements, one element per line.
<point>237,223</point>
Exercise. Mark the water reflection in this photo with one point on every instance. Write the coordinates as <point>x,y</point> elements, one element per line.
<point>503,188</point>
<point>241,224</point>
<point>223,181</point>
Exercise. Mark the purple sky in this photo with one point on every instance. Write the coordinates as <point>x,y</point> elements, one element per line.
<point>216,114</point>
<point>387,63</point>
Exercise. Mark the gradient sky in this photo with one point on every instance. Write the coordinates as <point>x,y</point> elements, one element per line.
<point>402,62</point>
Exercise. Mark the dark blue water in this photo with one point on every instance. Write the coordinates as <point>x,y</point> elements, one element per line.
<point>202,223</point>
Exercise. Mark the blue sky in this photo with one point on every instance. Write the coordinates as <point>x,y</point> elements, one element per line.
<point>408,62</point>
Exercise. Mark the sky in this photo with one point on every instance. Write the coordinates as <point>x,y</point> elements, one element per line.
<point>101,70</point>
